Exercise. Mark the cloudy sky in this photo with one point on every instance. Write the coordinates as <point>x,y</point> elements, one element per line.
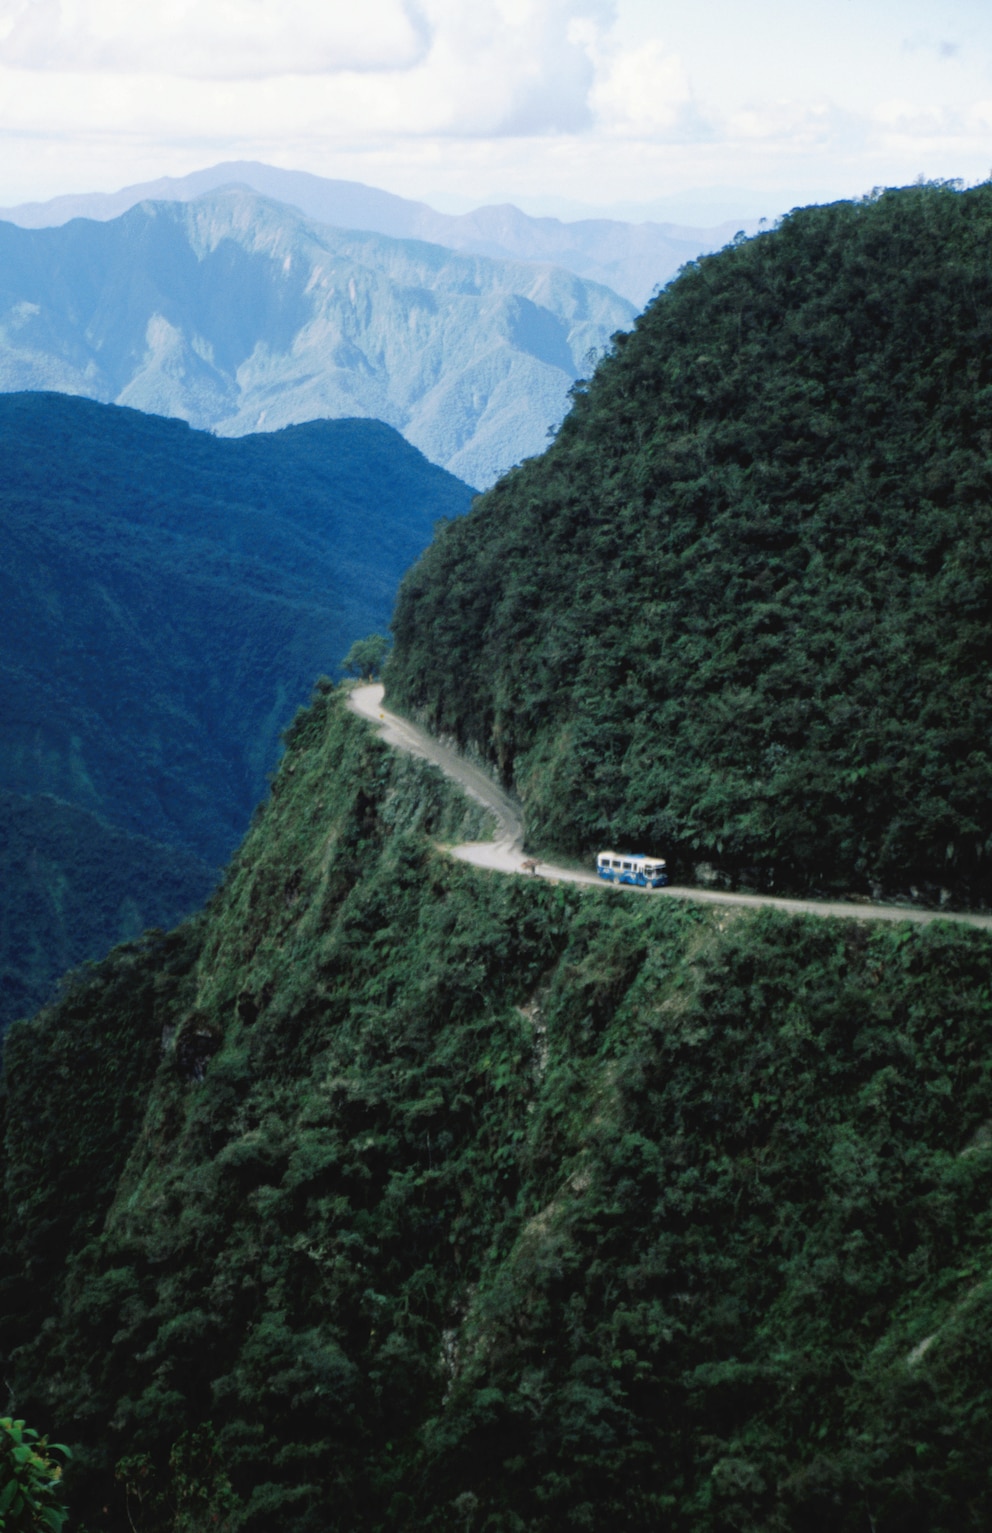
<point>554,104</point>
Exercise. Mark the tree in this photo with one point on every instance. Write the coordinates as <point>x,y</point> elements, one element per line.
<point>365,657</point>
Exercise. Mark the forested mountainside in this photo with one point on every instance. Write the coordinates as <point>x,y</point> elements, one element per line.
<point>740,611</point>
<point>168,599</point>
<point>392,1194</point>
<point>388,1193</point>
<point>238,314</point>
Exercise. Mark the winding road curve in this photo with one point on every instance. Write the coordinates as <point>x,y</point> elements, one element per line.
<point>506,853</point>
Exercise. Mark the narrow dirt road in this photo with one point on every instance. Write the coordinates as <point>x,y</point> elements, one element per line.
<point>506,853</point>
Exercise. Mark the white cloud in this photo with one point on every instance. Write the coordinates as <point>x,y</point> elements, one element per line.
<point>212,39</point>
<point>517,67</point>
<point>801,125</point>
<point>499,67</point>
<point>916,118</point>
<point>927,42</point>
<point>643,92</point>
<point>502,66</point>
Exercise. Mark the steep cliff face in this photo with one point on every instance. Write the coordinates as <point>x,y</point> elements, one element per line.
<point>739,611</point>
<point>390,1193</point>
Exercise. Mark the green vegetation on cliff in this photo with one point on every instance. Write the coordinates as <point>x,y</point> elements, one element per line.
<point>740,611</point>
<point>391,1194</point>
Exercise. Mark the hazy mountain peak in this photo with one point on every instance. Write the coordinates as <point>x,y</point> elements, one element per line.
<point>632,258</point>
<point>239,313</point>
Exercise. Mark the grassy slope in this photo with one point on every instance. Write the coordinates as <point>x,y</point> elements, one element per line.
<point>739,611</point>
<point>457,1201</point>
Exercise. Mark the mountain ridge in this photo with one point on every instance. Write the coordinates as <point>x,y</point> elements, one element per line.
<point>397,1192</point>
<point>237,314</point>
<point>389,1193</point>
<point>632,258</point>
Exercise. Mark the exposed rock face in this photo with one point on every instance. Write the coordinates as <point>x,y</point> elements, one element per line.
<point>237,314</point>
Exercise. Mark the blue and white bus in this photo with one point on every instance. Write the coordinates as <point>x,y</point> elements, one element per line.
<point>632,868</point>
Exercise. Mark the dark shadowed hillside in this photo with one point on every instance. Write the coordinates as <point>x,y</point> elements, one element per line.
<point>741,611</point>
<point>168,600</point>
<point>72,884</point>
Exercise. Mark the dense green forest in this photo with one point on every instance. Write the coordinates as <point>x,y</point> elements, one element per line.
<point>388,1193</point>
<point>168,600</point>
<point>740,612</point>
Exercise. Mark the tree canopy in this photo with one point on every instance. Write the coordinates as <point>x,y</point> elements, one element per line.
<point>366,656</point>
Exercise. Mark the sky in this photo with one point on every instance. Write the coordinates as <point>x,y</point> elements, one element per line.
<point>634,106</point>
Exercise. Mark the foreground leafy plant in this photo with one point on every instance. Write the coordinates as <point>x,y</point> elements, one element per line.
<point>30,1480</point>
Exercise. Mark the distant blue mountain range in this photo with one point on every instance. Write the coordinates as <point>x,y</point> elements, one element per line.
<point>239,314</point>
<point>633,258</point>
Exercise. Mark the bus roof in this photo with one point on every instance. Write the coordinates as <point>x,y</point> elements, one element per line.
<point>632,857</point>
